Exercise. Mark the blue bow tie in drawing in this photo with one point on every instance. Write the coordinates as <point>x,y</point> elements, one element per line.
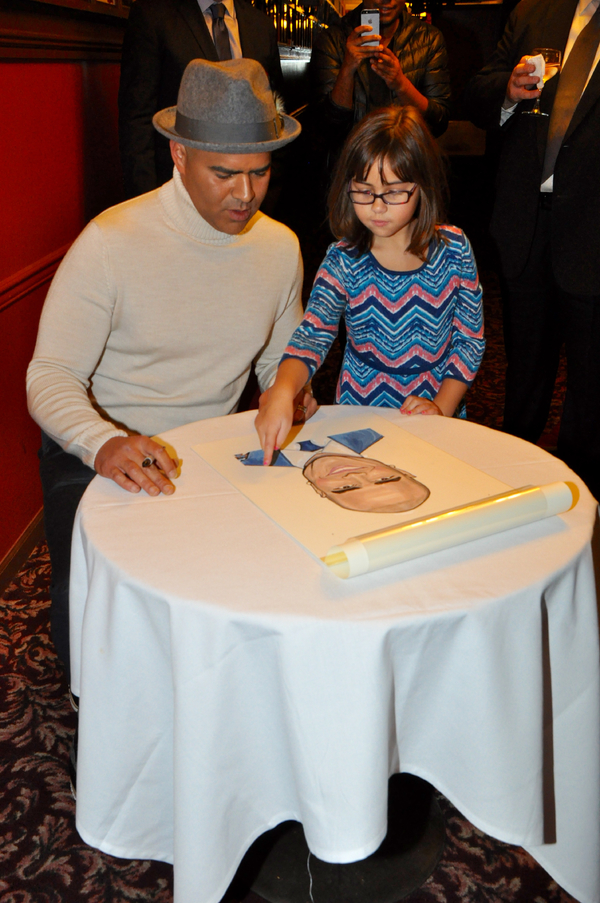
<point>297,454</point>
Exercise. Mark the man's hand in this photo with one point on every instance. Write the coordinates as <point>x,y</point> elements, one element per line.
<point>120,459</point>
<point>415,405</point>
<point>387,65</point>
<point>342,93</point>
<point>356,51</point>
<point>519,78</point>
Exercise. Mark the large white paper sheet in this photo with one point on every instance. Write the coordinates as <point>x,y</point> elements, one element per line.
<point>284,494</point>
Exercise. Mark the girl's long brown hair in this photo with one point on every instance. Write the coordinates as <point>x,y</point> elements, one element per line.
<point>399,136</point>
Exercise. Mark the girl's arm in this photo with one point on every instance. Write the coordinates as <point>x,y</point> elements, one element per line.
<point>305,353</point>
<point>467,342</point>
<point>277,406</point>
<point>452,392</point>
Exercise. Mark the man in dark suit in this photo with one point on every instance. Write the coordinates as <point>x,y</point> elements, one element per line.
<point>162,37</point>
<point>545,220</point>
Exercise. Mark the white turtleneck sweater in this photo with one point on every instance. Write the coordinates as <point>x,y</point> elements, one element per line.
<point>154,318</point>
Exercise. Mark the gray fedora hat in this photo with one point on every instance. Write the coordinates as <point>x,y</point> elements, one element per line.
<point>226,107</point>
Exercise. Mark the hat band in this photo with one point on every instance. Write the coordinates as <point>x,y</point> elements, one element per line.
<point>226,132</point>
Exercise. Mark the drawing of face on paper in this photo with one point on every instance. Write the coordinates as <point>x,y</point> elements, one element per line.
<point>337,470</point>
<point>364,484</point>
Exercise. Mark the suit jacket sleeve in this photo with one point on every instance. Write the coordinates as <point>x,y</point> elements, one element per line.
<point>325,63</point>
<point>485,93</point>
<point>435,86</point>
<point>138,100</point>
<point>273,67</point>
<point>258,38</point>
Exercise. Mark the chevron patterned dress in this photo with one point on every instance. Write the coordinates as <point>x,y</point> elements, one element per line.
<point>406,331</point>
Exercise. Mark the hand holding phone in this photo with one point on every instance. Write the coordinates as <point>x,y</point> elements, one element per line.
<point>370,17</point>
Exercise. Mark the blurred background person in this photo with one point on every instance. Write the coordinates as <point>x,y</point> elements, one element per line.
<point>351,77</point>
<point>545,220</point>
<point>161,38</point>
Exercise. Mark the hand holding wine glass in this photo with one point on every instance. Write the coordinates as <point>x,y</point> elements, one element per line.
<point>552,59</point>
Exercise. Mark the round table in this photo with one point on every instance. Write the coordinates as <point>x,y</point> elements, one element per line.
<point>229,682</point>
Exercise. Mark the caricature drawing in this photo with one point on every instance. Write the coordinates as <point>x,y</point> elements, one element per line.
<point>338,471</point>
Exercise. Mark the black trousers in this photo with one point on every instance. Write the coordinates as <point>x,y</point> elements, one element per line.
<point>64,480</point>
<point>538,317</point>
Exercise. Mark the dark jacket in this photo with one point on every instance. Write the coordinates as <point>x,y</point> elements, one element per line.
<point>576,195</point>
<point>162,37</point>
<point>422,53</point>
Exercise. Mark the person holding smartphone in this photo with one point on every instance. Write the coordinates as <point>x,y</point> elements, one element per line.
<point>355,70</point>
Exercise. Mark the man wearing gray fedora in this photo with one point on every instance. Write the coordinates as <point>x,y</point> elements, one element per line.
<point>163,303</point>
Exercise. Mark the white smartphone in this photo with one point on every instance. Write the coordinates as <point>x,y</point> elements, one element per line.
<point>370,17</point>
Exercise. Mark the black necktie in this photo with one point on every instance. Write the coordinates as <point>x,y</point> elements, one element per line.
<point>220,33</point>
<point>571,83</point>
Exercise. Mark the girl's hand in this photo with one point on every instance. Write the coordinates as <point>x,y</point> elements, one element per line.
<point>277,414</point>
<point>415,405</point>
<point>288,400</point>
<point>274,421</point>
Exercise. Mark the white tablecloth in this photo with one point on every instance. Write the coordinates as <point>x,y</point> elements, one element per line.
<point>228,682</point>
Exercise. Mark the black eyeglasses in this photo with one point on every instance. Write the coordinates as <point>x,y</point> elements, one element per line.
<point>393,196</point>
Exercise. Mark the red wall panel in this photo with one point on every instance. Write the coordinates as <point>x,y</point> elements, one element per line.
<point>58,167</point>
<point>21,494</point>
<point>43,201</point>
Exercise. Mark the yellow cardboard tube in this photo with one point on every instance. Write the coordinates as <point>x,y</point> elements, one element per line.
<point>415,538</point>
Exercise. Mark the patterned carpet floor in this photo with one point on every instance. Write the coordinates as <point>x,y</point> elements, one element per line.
<point>43,859</point>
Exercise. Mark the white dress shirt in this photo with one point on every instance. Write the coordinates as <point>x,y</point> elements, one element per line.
<point>232,24</point>
<point>584,12</point>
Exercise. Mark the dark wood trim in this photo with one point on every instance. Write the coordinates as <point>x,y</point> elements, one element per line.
<point>31,30</point>
<point>31,46</point>
<point>14,560</point>
<point>117,8</point>
<point>25,281</point>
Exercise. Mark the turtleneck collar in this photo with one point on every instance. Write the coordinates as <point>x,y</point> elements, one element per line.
<point>180,210</point>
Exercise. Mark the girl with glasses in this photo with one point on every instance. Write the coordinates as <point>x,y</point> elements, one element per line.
<point>406,284</point>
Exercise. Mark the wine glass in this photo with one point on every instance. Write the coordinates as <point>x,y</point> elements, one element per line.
<point>553,59</point>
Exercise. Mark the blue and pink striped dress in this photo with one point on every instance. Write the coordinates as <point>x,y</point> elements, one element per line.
<point>406,331</point>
